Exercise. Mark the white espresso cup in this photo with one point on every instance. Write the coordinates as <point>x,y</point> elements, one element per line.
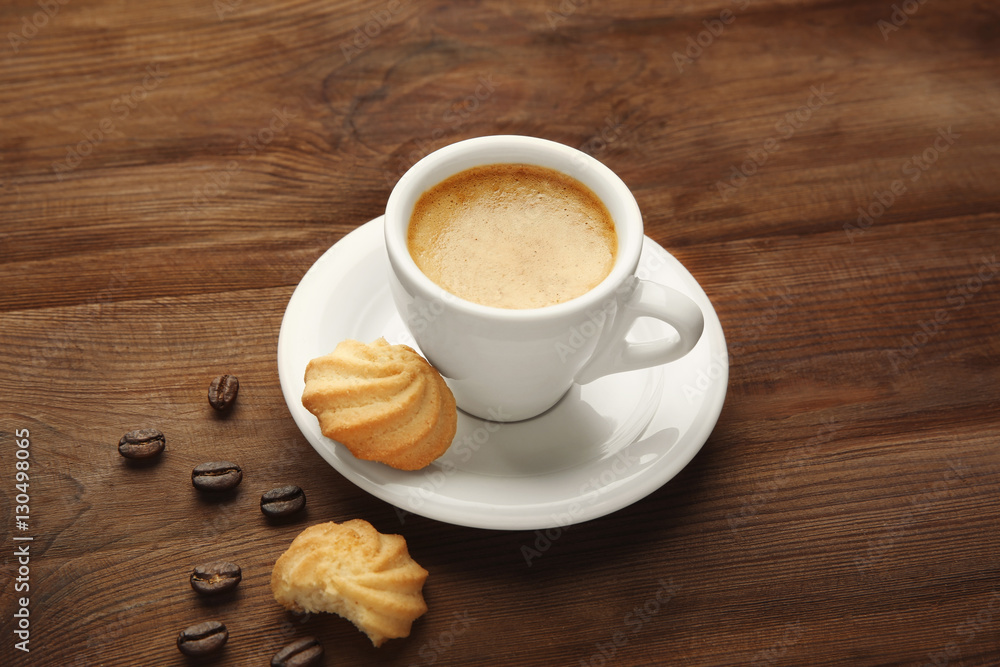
<point>513,364</point>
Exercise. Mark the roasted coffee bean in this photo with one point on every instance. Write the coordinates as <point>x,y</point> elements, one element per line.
<point>142,444</point>
<point>203,638</point>
<point>300,653</point>
<point>282,501</point>
<point>222,392</point>
<point>216,476</point>
<point>215,578</point>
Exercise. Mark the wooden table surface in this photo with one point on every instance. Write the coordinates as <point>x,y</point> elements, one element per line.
<point>828,171</point>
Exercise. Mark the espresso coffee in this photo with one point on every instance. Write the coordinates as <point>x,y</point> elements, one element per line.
<point>512,236</point>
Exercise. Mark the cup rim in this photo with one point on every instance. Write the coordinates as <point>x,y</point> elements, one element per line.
<point>629,228</point>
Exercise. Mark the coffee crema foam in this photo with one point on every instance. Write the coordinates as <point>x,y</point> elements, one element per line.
<point>512,236</point>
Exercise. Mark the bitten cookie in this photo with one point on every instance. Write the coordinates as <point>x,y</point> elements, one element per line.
<point>352,570</point>
<point>383,402</point>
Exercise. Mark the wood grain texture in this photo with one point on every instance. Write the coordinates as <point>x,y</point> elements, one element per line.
<point>170,169</point>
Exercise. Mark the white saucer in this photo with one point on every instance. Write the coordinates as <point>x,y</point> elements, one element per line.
<point>606,445</point>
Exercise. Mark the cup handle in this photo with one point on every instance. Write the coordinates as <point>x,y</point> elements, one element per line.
<point>616,354</point>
